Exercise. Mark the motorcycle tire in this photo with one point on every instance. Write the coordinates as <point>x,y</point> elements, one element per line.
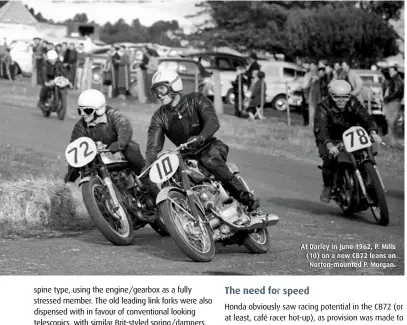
<point>257,246</point>
<point>123,238</point>
<point>183,243</point>
<point>159,226</point>
<point>253,244</point>
<point>376,192</point>
<point>45,113</point>
<point>62,110</point>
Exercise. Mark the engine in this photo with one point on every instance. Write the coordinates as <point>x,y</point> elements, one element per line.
<point>215,199</point>
<point>123,179</point>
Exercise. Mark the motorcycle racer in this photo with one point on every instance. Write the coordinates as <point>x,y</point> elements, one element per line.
<point>101,122</point>
<point>183,118</point>
<point>52,68</point>
<point>333,116</point>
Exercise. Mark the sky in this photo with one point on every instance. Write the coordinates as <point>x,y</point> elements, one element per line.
<point>103,11</point>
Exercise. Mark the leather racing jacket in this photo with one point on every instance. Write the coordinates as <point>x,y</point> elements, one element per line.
<point>193,115</point>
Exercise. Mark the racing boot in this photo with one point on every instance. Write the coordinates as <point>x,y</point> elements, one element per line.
<point>327,187</point>
<point>237,190</point>
<point>326,193</point>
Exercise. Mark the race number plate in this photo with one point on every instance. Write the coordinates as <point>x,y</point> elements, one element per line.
<point>80,152</point>
<point>164,168</point>
<point>356,138</point>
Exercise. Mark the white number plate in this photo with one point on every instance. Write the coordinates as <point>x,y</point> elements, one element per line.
<point>356,138</point>
<point>80,152</point>
<point>164,168</point>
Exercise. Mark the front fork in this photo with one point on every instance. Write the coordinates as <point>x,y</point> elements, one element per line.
<point>108,183</point>
<point>187,187</point>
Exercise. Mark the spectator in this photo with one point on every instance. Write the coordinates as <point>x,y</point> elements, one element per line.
<point>143,82</point>
<point>253,65</point>
<point>80,67</point>
<point>323,81</point>
<point>392,100</point>
<point>314,96</point>
<point>329,71</point>
<point>121,64</point>
<point>235,84</point>
<point>38,61</point>
<point>8,62</point>
<point>70,60</point>
<point>255,92</point>
<point>337,69</point>
<point>3,51</point>
<point>64,48</point>
<point>44,50</point>
<point>108,73</point>
<point>355,81</point>
<point>58,49</point>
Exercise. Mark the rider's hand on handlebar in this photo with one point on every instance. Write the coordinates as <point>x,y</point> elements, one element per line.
<point>375,137</point>
<point>115,147</point>
<point>333,150</point>
<point>199,142</point>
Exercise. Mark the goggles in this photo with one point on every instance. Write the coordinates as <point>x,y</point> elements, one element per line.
<point>340,97</point>
<point>160,90</point>
<point>86,110</point>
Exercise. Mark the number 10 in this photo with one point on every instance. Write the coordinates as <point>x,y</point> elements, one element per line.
<point>166,166</point>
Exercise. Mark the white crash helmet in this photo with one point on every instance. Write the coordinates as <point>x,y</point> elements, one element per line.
<point>92,101</point>
<point>52,55</point>
<point>168,78</point>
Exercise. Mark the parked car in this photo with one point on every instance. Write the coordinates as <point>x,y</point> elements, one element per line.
<point>194,76</point>
<point>224,62</point>
<point>283,80</point>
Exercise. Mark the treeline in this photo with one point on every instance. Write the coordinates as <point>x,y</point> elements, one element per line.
<point>358,31</point>
<point>162,32</point>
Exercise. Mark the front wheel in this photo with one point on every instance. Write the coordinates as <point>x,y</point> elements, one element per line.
<point>375,191</point>
<point>190,233</point>
<point>116,226</point>
<point>61,107</point>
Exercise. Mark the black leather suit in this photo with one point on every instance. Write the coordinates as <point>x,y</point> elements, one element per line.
<point>198,118</point>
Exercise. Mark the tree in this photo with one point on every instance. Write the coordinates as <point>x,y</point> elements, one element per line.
<point>385,9</point>
<point>340,34</point>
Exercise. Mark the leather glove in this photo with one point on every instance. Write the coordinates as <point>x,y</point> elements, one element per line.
<point>376,138</point>
<point>199,142</point>
<point>116,146</point>
<point>333,150</point>
<point>71,176</point>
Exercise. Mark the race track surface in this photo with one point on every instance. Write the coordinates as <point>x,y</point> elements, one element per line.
<point>286,187</point>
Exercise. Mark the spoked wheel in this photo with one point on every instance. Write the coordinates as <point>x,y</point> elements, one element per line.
<point>61,110</point>
<point>375,191</point>
<point>257,241</point>
<point>116,226</point>
<point>192,235</point>
<point>346,193</point>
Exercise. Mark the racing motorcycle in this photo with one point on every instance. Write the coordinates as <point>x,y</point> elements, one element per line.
<point>55,102</point>
<point>116,200</point>
<point>358,185</point>
<point>198,211</point>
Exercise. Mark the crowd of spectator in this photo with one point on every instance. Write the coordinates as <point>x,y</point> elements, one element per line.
<point>78,59</point>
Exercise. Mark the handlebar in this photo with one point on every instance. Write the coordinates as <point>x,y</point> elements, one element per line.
<point>179,148</point>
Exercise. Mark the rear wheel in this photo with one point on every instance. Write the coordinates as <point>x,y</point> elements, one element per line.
<point>191,234</point>
<point>257,241</point>
<point>375,191</point>
<point>116,226</point>
<point>280,103</point>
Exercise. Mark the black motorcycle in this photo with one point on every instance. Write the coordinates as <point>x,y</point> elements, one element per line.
<point>115,198</point>
<point>357,182</point>
<point>55,101</point>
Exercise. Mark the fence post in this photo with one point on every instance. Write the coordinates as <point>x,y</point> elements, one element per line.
<point>196,80</point>
<point>240,92</point>
<point>217,94</point>
<point>288,106</point>
<point>369,104</point>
